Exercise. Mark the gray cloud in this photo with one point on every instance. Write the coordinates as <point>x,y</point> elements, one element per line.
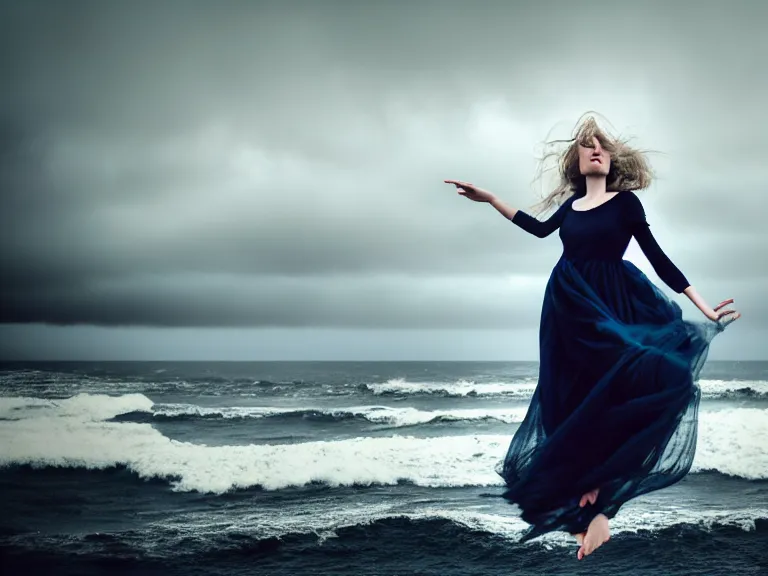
<point>281,163</point>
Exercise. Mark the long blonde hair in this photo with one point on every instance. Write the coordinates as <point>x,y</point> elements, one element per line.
<point>629,170</point>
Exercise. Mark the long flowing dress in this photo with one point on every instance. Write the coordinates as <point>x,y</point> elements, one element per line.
<point>616,402</point>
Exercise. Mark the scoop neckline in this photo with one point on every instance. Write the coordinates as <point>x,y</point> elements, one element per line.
<point>595,207</point>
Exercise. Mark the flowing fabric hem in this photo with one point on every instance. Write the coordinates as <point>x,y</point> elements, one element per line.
<point>618,364</point>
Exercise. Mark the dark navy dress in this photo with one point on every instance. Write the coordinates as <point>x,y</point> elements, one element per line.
<point>616,403</point>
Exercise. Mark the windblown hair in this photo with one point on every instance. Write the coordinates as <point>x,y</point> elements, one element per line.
<point>629,169</point>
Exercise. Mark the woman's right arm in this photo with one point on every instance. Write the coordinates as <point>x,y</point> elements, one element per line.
<point>540,229</point>
<point>516,216</point>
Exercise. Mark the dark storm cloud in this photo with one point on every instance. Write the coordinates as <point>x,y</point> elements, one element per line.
<point>274,302</point>
<point>280,163</point>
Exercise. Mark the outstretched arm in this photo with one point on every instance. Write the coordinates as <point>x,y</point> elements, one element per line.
<point>525,221</point>
<point>667,271</point>
<point>538,228</point>
<point>675,279</point>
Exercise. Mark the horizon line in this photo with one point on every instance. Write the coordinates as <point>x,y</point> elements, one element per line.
<point>7,360</point>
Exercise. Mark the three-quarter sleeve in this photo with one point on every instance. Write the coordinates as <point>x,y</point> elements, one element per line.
<point>664,267</point>
<point>539,228</point>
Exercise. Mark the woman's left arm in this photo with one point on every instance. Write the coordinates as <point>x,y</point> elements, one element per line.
<point>715,313</point>
<point>666,269</point>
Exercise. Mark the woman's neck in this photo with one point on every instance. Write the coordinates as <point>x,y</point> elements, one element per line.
<point>596,187</point>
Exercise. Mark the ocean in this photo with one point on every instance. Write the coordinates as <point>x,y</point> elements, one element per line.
<point>348,468</point>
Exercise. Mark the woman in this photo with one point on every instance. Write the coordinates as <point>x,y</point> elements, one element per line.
<point>614,413</point>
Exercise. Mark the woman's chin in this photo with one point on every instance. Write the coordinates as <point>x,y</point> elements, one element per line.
<point>594,171</point>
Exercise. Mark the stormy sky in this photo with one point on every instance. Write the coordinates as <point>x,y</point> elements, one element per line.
<point>263,180</point>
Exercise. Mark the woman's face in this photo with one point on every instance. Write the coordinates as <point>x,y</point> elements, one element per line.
<point>594,160</point>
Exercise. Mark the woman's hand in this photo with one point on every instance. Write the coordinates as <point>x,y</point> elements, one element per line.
<point>715,314</point>
<point>471,191</point>
<point>718,313</point>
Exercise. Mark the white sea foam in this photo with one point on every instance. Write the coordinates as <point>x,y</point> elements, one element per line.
<point>73,433</point>
<point>82,406</point>
<point>387,415</point>
<point>524,388</point>
<point>726,388</point>
<point>633,518</point>
<point>325,520</point>
<point>733,441</point>
<point>96,407</point>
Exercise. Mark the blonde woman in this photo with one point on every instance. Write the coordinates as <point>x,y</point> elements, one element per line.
<point>614,413</point>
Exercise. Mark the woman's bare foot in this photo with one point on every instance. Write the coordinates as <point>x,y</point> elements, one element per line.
<point>580,538</point>
<point>590,497</point>
<point>597,534</point>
